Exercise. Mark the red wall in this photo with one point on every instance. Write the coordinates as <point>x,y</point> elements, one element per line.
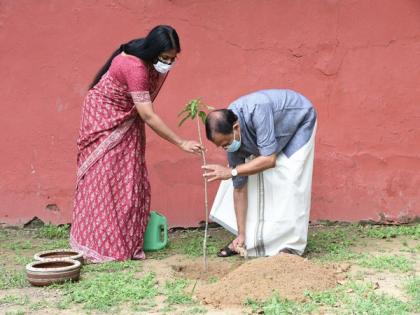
<point>357,60</point>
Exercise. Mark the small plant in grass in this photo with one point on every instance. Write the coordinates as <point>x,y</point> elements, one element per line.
<point>413,290</point>
<point>175,292</point>
<point>106,291</point>
<point>14,300</point>
<point>13,279</point>
<point>386,262</point>
<point>279,306</point>
<point>196,110</point>
<point>54,231</point>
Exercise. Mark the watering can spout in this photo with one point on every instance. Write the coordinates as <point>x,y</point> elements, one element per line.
<point>156,235</point>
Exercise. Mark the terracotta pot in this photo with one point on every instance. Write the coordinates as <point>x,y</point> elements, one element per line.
<point>41,273</point>
<point>59,254</point>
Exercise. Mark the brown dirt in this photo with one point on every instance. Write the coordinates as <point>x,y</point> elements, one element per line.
<point>288,275</point>
<point>194,269</point>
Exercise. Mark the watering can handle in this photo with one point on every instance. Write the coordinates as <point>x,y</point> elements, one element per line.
<point>165,234</point>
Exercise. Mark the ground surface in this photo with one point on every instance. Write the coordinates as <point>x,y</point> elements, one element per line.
<point>347,269</point>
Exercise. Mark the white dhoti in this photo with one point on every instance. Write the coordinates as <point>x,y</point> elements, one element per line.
<point>279,202</point>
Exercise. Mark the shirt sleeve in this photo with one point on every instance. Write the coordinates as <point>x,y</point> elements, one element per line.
<point>235,160</point>
<point>136,76</point>
<point>263,122</point>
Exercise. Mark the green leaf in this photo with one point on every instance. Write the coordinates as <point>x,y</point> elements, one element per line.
<point>203,116</point>
<point>184,119</point>
<point>186,109</point>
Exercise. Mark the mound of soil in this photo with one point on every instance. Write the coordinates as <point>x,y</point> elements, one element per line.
<point>288,275</point>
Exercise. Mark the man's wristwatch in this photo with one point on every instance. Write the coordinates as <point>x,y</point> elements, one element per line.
<point>234,172</point>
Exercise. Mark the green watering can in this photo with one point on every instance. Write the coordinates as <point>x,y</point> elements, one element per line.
<point>156,235</point>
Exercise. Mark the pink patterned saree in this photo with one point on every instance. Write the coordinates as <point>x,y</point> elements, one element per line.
<point>112,200</point>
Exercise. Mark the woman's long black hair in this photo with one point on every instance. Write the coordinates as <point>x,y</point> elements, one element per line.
<point>160,39</point>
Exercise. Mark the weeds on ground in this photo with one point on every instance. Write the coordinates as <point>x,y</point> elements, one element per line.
<point>105,292</point>
<point>175,292</point>
<point>14,300</point>
<point>332,243</point>
<point>190,244</point>
<point>413,290</point>
<point>52,231</point>
<point>113,266</point>
<point>351,298</point>
<point>391,263</point>
<point>380,231</point>
<point>278,306</point>
<point>12,279</point>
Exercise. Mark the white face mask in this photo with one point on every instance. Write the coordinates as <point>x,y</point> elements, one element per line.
<point>162,67</point>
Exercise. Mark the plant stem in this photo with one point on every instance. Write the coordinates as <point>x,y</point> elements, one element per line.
<point>203,157</point>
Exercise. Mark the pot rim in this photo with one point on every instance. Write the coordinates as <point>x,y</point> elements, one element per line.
<point>38,257</point>
<point>31,267</point>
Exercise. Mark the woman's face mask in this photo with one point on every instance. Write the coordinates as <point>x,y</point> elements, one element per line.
<point>162,67</point>
<point>234,145</point>
<point>165,61</point>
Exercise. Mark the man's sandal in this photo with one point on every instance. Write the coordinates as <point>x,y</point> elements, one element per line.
<point>226,252</point>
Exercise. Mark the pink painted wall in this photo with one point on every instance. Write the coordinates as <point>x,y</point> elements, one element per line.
<point>357,60</point>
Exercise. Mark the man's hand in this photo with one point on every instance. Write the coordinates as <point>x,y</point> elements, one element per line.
<point>216,172</point>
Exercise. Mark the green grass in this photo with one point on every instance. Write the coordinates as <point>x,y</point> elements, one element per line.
<point>190,243</point>
<point>106,291</point>
<point>14,300</point>
<point>19,245</point>
<point>391,263</point>
<point>278,306</point>
<point>331,244</point>
<point>36,306</point>
<point>366,301</point>
<point>351,298</point>
<point>12,279</point>
<point>413,290</point>
<point>175,292</point>
<point>195,310</point>
<point>380,231</point>
<point>52,231</point>
<point>113,266</point>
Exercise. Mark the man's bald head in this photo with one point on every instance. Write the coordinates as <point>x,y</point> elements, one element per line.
<point>220,121</point>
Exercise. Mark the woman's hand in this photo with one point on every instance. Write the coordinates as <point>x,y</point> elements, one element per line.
<point>191,146</point>
<point>216,172</point>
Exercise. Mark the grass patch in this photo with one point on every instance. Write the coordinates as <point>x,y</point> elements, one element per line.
<point>14,300</point>
<point>279,306</point>
<point>413,290</point>
<point>106,291</point>
<point>351,298</point>
<point>13,279</point>
<point>36,306</point>
<point>113,266</point>
<point>52,231</point>
<point>366,301</point>
<point>332,243</point>
<point>380,231</point>
<point>190,243</point>
<point>386,262</point>
<point>175,292</point>
<point>19,245</point>
<point>195,310</point>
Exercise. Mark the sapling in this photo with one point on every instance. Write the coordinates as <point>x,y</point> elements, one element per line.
<point>196,110</point>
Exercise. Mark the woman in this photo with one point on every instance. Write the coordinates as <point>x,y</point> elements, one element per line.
<point>112,199</point>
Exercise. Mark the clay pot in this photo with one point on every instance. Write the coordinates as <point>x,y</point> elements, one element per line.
<point>41,273</point>
<point>59,254</point>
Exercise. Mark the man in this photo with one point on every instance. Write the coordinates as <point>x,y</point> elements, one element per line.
<point>265,194</point>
